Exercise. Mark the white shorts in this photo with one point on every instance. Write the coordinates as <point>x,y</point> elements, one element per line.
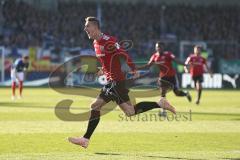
<point>17,76</point>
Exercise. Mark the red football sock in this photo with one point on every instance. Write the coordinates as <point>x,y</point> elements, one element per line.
<point>20,87</point>
<point>13,88</point>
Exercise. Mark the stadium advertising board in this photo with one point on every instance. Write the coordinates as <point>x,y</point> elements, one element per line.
<point>218,81</point>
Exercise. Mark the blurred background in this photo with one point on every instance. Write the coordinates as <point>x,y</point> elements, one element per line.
<point>51,32</point>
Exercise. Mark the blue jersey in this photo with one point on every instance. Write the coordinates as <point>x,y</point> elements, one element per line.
<point>19,65</point>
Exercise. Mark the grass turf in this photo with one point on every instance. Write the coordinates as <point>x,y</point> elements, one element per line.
<point>29,129</point>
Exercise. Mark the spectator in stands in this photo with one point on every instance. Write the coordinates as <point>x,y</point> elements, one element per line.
<point>62,27</point>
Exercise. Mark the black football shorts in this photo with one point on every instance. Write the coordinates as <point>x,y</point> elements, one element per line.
<point>115,91</point>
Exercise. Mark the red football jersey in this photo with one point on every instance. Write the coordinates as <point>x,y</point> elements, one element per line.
<point>164,62</point>
<point>196,64</point>
<point>109,52</point>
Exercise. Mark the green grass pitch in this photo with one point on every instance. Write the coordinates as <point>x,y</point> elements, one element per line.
<point>30,130</point>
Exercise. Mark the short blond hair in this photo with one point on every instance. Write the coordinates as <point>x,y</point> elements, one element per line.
<point>94,20</point>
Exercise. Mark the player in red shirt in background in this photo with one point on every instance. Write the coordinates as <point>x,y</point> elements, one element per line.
<point>197,63</point>
<point>109,53</point>
<point>167,76</point>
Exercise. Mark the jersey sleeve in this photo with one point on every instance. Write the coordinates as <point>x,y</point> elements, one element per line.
<point>16,64</point>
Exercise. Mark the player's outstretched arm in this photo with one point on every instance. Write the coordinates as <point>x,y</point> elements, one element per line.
<point>178,61</point>
<point>146,66</point>
<point>186,69</point>
<point>186,65</point>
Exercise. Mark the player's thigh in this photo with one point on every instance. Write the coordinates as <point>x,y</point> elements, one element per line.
<point>13,76</point>
<point>195,84</point>
<point>199,85</point>
<point>166,84</point>
<point>199,81</point>
<point>195,81</point>
<point>124,102</point>
<point>98,103</point>
<point>175,82</point>
<point>127,108</point>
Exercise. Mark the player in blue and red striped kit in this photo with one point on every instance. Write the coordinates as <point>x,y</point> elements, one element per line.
<point>17,74</point>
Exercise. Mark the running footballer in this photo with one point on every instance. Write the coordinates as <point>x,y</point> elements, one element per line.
<point>108,51</point>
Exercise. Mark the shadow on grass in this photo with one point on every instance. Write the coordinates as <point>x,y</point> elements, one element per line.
<point>33,105</point>
<point>232,116</point>
<point>167,157</point>
<point>108,154</point>
<point>231,158</point>
<point>217,114</point>
<point>149,156</point>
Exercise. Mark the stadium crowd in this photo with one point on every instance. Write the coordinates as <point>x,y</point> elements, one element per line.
<point>22,25</point>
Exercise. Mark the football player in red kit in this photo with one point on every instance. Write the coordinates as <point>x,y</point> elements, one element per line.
<point>109,53</point>
<point>167,75</point>
<point>197,63</point>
